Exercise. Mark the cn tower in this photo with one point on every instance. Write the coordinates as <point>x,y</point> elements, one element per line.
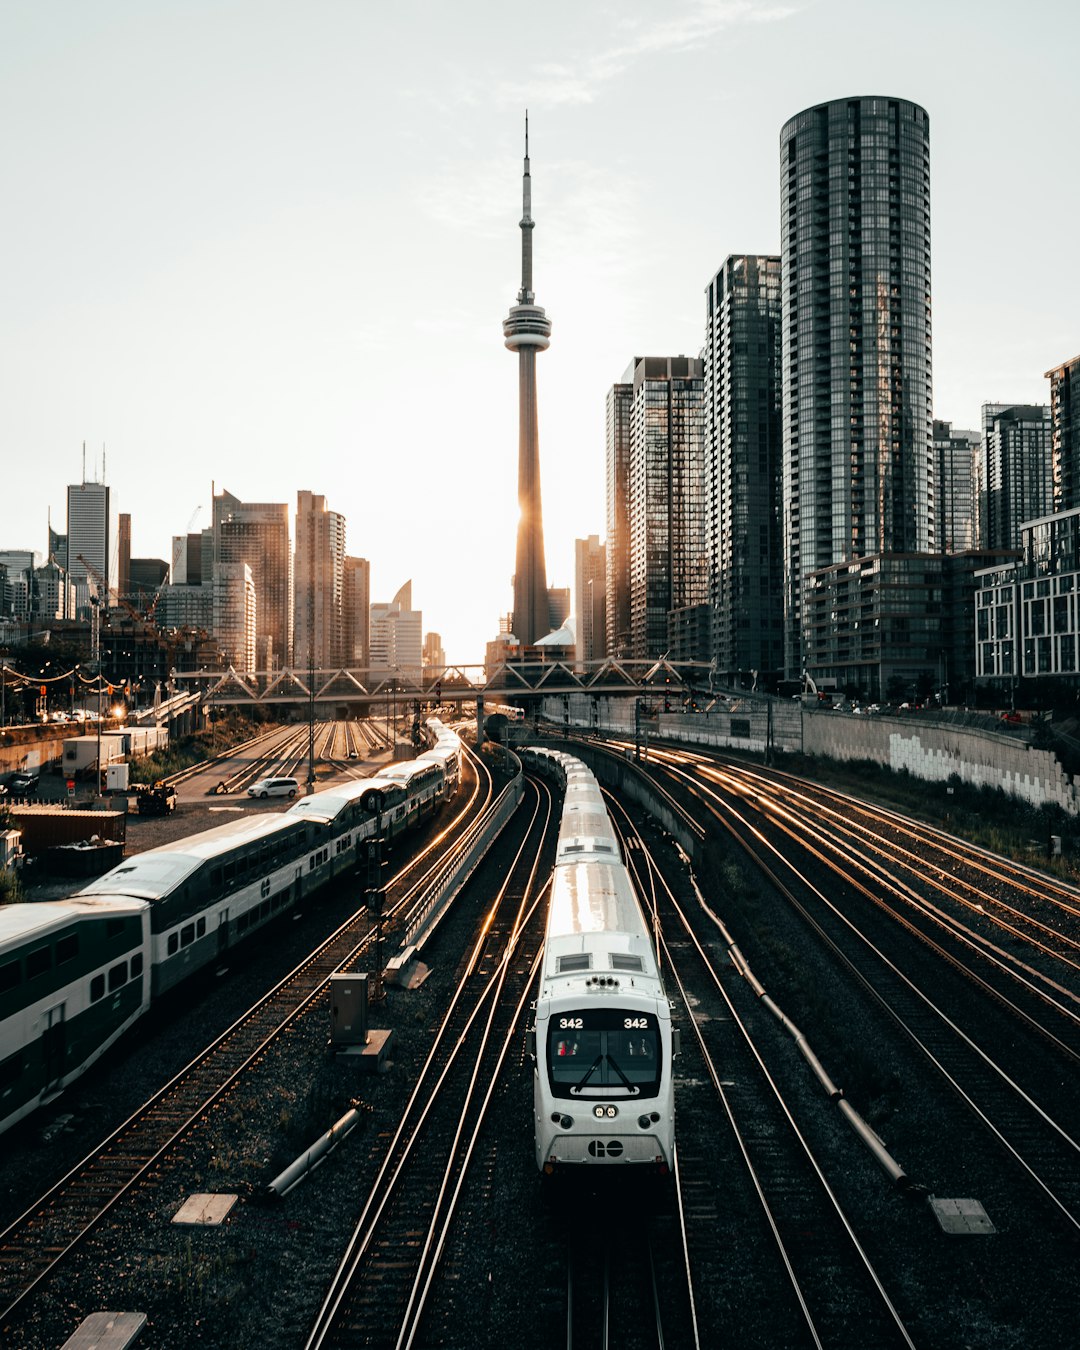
<point>527,330</point>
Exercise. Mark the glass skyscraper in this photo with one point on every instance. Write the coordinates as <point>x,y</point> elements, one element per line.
<point>857,408</point>
<point>743,454</point>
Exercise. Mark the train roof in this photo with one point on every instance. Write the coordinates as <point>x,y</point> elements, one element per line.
<point>596,925</point>
<point>407,769</point>
<point>24,922</point>
<point>159,869</point>
<point>328,804</point>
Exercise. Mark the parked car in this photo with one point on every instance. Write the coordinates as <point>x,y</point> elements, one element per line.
<point>23,781</point>
<point>274,787</point>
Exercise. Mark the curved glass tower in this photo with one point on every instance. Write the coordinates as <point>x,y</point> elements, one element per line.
<point>855,280</point>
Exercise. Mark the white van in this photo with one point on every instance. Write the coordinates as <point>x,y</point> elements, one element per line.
<point>274,787</point>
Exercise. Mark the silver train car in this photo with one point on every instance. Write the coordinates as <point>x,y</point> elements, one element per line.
<point>602,1040</point>
<point>75,974</point>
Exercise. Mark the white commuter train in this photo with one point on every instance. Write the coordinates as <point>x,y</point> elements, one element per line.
<point>75,974</point>
<point>602,1038</point>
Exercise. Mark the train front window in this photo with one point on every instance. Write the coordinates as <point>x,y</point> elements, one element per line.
<point>603,1051</point>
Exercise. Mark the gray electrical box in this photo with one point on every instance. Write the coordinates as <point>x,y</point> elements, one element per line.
<point>349,1009</point>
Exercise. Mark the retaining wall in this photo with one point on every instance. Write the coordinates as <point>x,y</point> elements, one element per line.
<point>929,750</point>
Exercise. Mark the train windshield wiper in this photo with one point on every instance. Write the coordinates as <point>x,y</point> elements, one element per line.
<point>613,1063</point>
<point>601,1058</point>
<point>588,1073</point>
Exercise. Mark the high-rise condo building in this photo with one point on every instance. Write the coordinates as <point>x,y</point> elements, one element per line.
<point>956,478</point>
<point>743,464</point>
<point>318,584</point>
<point>663,552</point>
<point>357,616</point>
<point>235,614</point>
<point>1018,470</point>
<point>1065,421</point>
<point>620,400</point>
<point>434,655</point>
<point>855,250</point>
<point>257,533</point>
<point>590,585</point>
<point>527,330</point>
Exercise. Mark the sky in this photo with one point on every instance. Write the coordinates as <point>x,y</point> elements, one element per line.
<point>269,246</point>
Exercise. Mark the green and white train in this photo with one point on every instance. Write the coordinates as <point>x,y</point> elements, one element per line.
<point>76,974</point>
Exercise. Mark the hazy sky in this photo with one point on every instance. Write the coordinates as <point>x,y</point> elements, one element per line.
<point>270,245</point>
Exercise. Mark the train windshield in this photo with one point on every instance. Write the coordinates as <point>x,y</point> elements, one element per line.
<point>604,1051</point>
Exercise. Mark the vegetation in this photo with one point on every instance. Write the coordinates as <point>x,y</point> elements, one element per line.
<point>11,891</point>
<point>984,816</point>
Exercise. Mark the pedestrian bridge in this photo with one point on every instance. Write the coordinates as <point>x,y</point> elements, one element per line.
<point>524,683</point>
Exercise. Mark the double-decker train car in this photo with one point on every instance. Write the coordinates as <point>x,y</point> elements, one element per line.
<point>602,1038</point>
<point>75,974</point>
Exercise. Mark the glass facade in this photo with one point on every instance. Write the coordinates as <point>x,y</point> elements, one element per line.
<point>617,487</point>
<point>666,504</point>
<point>1018,469</point>
<point>956,456</point>
<point>1027,621</point>
<point>743,464</point>
<point>257,533</point>
<point>1065,422</point>
<point>855,247</point>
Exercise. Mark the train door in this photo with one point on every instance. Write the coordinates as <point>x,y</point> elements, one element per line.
<point>54,1047</point>
<point>223,931</point>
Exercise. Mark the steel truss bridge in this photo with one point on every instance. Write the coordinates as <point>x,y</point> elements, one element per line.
<point>523,683</point>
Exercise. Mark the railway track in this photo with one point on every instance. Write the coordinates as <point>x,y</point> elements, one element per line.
<point>38,1243</point>
<point>996,1049</point>
<point>383,1289</point>
<point>818,1289</point>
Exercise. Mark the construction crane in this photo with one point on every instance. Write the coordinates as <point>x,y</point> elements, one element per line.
<point>111,596</point>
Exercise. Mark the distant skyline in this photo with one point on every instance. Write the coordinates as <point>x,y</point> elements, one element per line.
<point>271,246</point>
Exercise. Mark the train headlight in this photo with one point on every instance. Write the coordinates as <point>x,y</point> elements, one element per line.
<point>605,1112</point>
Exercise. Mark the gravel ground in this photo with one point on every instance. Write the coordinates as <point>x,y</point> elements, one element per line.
<point>257,1280</point>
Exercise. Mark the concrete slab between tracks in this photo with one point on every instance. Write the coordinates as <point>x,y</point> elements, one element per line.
<point>369,1056</point>
<point>961,1218</point>
<point>208,1210</point>
<point>106,1331</point>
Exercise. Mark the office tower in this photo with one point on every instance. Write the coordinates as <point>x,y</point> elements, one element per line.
<point>956,478</point>
<point>318,584</point>
<point>527,330</point>
<point>90,537</point>
<point>17,571</point>
<point>187,550</point>
<point>397,635</point>
<point>434,655</point>
<point>357,616</point>
<point>123,555</point>
<point>1065,424</point>
<point>1018,469</point>
<point>655,453</point>
<point>855,289</point>
<point>617,488</point>
<point>53,596</point>
<point>590,589</point>
<point>257,533</point>
<point>235,614</point>
<point>743,427</point>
